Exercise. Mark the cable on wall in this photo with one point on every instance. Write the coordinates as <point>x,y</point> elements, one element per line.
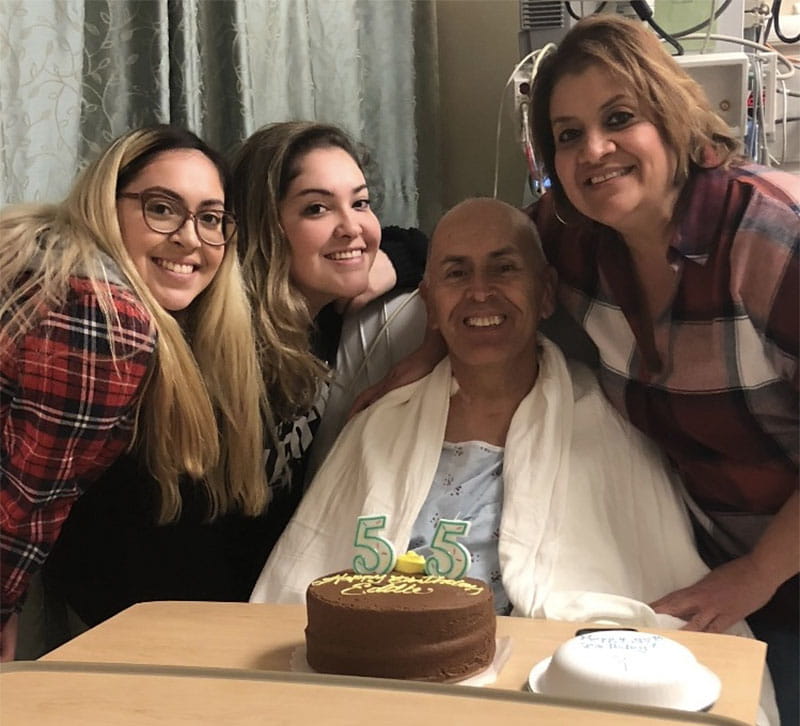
<point>536,56</point>
<point>776,21</point>
<point>750,44</point>
<point>700,26</point>
<point>645,12</point>
<point>785,117</point>
<point>708,28</point>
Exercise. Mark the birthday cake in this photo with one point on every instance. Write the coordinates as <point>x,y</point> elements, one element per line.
<point>411,626</point>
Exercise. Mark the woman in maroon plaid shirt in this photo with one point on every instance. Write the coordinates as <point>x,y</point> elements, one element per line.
<point>680,259</point>
<point>122,314</point>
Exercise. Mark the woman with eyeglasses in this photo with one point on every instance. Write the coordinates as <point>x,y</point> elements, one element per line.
<point>122,318</point>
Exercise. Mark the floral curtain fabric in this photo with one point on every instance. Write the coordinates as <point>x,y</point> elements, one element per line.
<point>76,73</point>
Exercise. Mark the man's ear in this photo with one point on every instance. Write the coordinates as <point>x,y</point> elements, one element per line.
<point>424,293</point>
<point>423,289</point>
<point>549,286</point>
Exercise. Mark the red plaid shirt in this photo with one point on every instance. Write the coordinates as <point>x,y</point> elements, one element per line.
<point>716,383</point>
<point>66,413</point>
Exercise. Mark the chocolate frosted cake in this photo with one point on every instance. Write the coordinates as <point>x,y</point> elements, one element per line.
<point>412,626</point>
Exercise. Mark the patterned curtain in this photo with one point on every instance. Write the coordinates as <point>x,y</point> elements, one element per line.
<point>76,73</point>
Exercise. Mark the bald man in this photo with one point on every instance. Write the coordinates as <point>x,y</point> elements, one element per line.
<point>573,514</point>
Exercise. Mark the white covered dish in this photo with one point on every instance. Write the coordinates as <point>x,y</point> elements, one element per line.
<point>627,667</point>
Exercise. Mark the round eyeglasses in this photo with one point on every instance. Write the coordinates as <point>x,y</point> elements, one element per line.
<point>166,215</point>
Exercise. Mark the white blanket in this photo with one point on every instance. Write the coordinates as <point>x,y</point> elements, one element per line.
<point>588,509</point>
<point>593,524</point>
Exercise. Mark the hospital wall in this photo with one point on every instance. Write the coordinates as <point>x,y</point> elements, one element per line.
<point>478,49</point>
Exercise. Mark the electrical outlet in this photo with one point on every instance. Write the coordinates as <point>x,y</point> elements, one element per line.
<point>522,86</point>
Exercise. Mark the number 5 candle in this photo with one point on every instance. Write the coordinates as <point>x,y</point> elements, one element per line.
<point>377,555</point>
<point>450,558</point>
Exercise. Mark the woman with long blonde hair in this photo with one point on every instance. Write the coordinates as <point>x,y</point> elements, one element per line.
<point>124,327</point>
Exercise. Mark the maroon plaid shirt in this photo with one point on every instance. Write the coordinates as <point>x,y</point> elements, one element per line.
<point>66,413</point>
<point>716,383</point>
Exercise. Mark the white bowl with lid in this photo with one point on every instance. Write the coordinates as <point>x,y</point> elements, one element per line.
<point>627,667</point>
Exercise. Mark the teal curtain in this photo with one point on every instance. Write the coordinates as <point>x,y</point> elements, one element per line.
<point>76,73</point>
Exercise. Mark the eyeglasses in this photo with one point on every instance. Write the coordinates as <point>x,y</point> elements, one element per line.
<point>166,215</point>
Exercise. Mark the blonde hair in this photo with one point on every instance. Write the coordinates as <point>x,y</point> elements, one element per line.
<point>199,413</point>
<point>670,98</point>
<point>263,168</point>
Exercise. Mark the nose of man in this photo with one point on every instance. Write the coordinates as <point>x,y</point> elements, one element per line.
<point>480,288</point>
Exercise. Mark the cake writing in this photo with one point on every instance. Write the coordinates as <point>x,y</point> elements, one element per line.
<point>394,583</point>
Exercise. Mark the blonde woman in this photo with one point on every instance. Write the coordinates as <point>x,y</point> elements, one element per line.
<point>122,316</point>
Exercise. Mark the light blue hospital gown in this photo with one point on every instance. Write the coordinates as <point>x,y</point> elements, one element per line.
<point>468,485</point>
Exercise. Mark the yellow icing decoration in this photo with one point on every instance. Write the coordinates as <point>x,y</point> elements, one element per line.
<point>410,563</point>
<point>356,584</point>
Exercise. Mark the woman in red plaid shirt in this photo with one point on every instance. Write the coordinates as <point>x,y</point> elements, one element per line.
<point>122,314</point>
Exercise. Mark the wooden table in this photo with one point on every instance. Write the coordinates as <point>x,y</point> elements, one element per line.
<point>86,694</point>
<point>263,638</point>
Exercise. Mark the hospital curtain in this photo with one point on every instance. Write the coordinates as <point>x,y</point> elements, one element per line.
<point>76,73</point>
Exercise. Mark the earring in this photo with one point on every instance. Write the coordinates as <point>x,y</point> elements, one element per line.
<point>558,216</point>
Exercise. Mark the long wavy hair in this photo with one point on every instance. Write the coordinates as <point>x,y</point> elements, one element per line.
<point>199,412</point>
<point>669,98</point>
<point>263,167</point>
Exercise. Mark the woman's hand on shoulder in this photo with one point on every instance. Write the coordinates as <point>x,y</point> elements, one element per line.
<point>382,279</point>
<point>421,362</point>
